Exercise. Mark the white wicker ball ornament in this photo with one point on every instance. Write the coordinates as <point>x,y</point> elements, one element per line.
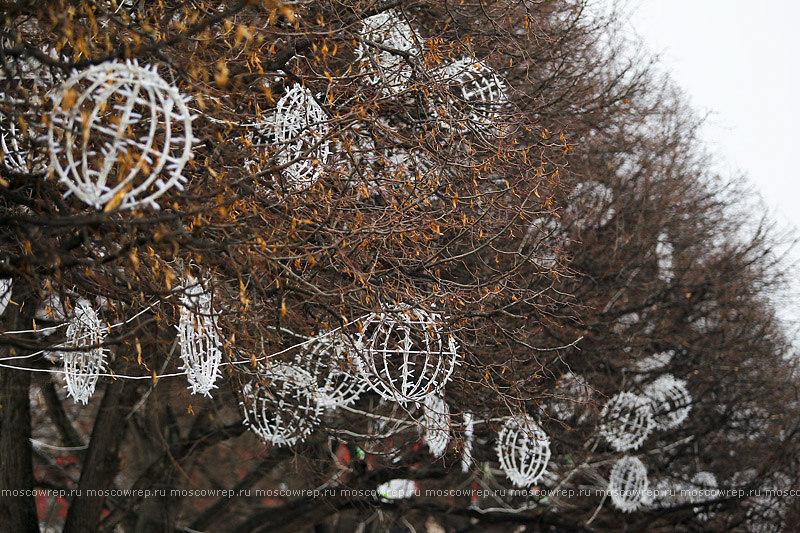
<point>480,93</point>
<point>671,401</point>
<point>436,422</point>
<point>198,336</point>
<point>405,355</point>
<point>119,135</point>
<point>628,484</point>
<point>570,397</point>
<point>381,35</point>
<point>469,440</point>
<point>279,408</point>
<point>523,449</point>
<point>627,421</point>
<point>85,360</point>
<point>5,293</point>
<point>336,381</point>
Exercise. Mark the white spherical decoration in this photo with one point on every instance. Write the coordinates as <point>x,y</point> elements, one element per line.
<point>405,355</point>
<point>627,421</point>
<point>469,440</point>
<point>436,422</point>
<point>523,449</point>
<point>671,401</point>
<point>5,293</point>
<point>382,67</point>
<point>397,489</point>
<point>480,93</point>
<point>628,484</point>
<point>198,336</point>
<point>119,132</point>
<point>336,381</point>
<point>279,408</point>
<point>82,365</point>
<point>570,396</point>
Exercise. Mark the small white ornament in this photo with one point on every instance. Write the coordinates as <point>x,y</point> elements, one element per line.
<point>704,489</point>
<point>336,381</point>
<point>671,401</point>
<point>279,409</point>
<point>405,355</point>
<point>469,440</point>
<point>385,68</point>
<point>627,421</point>
<point>5,293</point>
<point>523,449</point>
<point>198,336</point>
<point>436,422</point>
<point>82,367</point>
<point>628,484</point>
<point>397,489</point>
<point>480,93</point>
<point>119,130</point>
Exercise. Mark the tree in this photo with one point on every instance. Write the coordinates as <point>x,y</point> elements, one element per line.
<point>388,238</point>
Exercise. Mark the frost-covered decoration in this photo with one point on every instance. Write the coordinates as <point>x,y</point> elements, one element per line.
<point>380,36</point>
<point>628,484</point>
<point>469,440</point>
<point>336,381</point>
<point>480,93</point>
<point>198,336</point>
<point>119,135</point>
<point>664,255</point>
<point>654,362</point>
<point>405,355</point>
<point>704,488</point>
<point>85,359</point>
<point>397,489</point>
<point>570,395</point>
<point>436,422</point>
<point>671,401</point>
<point>523,449</point>
<point>279,408</point>
<point>5,293</point>
<point>299,129</point>
<point>591,204</point>
<point>627,420</point>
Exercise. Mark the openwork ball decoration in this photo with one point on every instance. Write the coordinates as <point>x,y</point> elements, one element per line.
<point>469,440</point>
<point>480,92</point>
<point>523,449</point>
<point>198,336</point>
<point>671,401</point>
<point>627,421</point>
<point>628,484</point>
<point>85,360</point>
<point>405,355</point>
<point>385,68</point>
<point>279,408</point>
<point>570,396</point>
<point>436,421</point>
<point>397,489</point>
<point>336,381</point>
<point>5,293</point>
<point>119,135</point>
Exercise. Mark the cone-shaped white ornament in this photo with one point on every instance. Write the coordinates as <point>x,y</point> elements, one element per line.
<point>671,401</point>
<point>627,421</point>
<point>523,449</point>
<point>83,365</point>
<point>198,336</point>
<point>436,421</point>
<point>628,484</point>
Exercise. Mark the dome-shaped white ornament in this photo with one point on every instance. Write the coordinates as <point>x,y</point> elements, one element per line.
<point>671,401</point>
<point>627,421</point>
<point>279,408</point>
<point>628,484</point>
<point>469,440</point>
<point>405,355</point>
<point>436,421</point>
<point>523,449</point>
<point>336,380</point>
<point>119,132</point>
<point>85,360</point>
<point>385,68</point>
<point>198,336</point>
<point>480,94</point>
<point>5,293</point>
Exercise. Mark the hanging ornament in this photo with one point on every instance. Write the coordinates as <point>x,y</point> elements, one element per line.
<point>436,421</point>
<point>201,346</point>
<point>627,421</point>
<point>480,94</point>
<point>654,362</point>
<point>336,381</point>
<point>664,256</point>
<point>405,355</point>
<point>628,484</point>
<point>523,449</point>
<point>85,360</point>
<point>397,489</point>
<point>469,439</point>
<point>671,401</point>
<point>571,395</point>
<point>278,407</point>
<point>119,136</point>
<point>5,293</point>
<point>384,68</point>
<point>704,489</point>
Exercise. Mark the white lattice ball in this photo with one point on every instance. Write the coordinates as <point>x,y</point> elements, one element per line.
<point>397,489</point>
<point>480,93</point>
<point>5,293</point>
<point>336,381</point>
<point>523,449</point>
<point>279,408</point>
<point>119,132</point>
<point>198,336</point>
<point>570,396</point>
<point>85,360</point>
<point>382,67</point>
<point>469,440</point>
<point>671,401</point>
<point>436,421</point>
<point>405,355</point>
<point>628,484</point>
<point>627,421</point>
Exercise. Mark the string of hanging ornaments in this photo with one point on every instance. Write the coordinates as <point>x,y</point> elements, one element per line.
<point>627,420</point>
<point>198,336</point>
<point>523,449</point>
<point>469,440</point>
<point>480,94</point>
<point>628,484</point>
<point>5,293</point>
<point>299,131</point>
<point>278,406</point>
<point>671,401</point>
<point>119,136</point>
<point>436,421</point>
<point>85,359</point>
<point>405,355</point>
<point>336,381</point>
<point>380,36</point>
